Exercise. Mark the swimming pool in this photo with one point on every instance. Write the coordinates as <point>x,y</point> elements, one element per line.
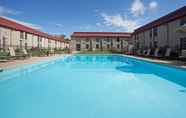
<point>93,86</point>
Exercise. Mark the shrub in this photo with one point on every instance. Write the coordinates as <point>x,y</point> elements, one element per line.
<point>38,52</point>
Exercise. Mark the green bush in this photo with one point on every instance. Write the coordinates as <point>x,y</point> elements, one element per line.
<point>3,53</point>
<point>95,52</point>
<point>62,51</point>
<point>38,52</point>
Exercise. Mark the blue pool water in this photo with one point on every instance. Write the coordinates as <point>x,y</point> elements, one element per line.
<point>99,86</point>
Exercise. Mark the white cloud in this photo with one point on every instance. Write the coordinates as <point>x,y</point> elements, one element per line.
<point>120,22</point>
<point>86,27</point>
<point>137,8</point>
<point>98,24</point>
<point>6,11</point>
<point>153,5</point>
<point>58,25</point>
<point>34,26</point>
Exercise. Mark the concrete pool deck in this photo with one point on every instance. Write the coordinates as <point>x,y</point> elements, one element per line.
<point>176,63</point>
<point>15,63</point>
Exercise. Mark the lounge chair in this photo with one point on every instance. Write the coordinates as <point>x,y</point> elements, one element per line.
<point>51,52</point>
<point>156,52</point>
<point>144,52</point>
<point>25,53</point>
<point>13,54</point>
<point>1,70</point>
<point>148,52</point>
<point>168,52</point>
<point>183,54</point>
<point>139,52</point>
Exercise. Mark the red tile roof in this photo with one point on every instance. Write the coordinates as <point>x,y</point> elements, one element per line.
<point>101,34</point>
<point>163,20</point>
<point>17,26</point>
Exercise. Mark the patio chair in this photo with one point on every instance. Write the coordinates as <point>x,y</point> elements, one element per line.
<point>168,52</point>
<point>13,54</point>
<point>1,70</point>
<point>139,52</point>
<point>25,53</point>
<point>144,52</point>
<point>156,52</point>
<point>183,54</point>
<point>148,52</point>
<point>51,52</point>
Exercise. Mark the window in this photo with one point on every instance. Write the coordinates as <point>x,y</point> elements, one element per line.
<point>38,41</point>
<point>118,46</point>
<point>21,35</point>
<point>150,44</point>
<point>183,21</point>
<point>78,47</point>
<point>87,46</point>
<point>20,43</point>
<point>155,31</point>
<point>150,34</point>
<point>97,40</point>
<point>26,45</point>
<point>183,43</point>
<point>87,40</point>
<point>108,46</point>
<point>78,40</point>
<point>25,35</point>
<point>97,46</point>
<point>155,44</point>
<point>49,43</point>
<point>108,40</point>
<point>0,44</point>
<point>118,40</point>
<point>4,42</point>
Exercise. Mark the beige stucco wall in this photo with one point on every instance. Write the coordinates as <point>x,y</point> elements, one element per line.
<point>52,44</point>
<point>12,39</point>
<point>93,41</point>
<point>167,36</point>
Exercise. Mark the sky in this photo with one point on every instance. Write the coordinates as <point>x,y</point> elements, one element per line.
<point>67,16</point>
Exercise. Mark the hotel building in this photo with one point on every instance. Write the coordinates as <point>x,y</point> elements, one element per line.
<point>16,35</point>
<point>168,31</point>
<point>91,41</point>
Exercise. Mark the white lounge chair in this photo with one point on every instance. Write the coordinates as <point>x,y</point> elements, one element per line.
<point>13,54</point>
<point>156,52</point>
<point>26,54</point>
<point>148,52</point>
<point>11,51</point>
<point>183,54</point>
<point>144,52</point>
<point>51,52</point>
<point>168,52</point>
<point>138,52</point>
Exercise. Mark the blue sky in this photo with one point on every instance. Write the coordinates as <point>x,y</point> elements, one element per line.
<point>67,16</point>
